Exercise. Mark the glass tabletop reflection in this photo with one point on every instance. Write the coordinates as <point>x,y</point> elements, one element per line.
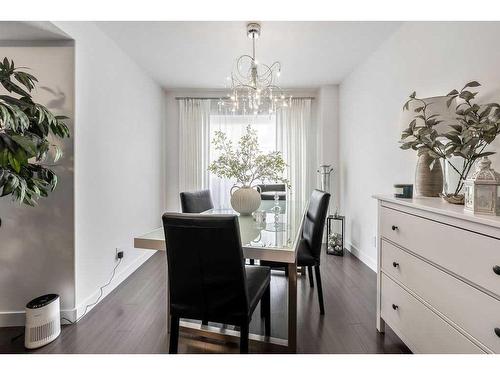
<point>271,226</point>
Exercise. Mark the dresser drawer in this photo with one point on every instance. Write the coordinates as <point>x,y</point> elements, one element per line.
<point>474,311</point>
<point>468,254</point>
<point>421,329</point>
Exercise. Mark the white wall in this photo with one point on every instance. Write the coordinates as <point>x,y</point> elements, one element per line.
<point>118,159</point>
<point>37,243</point>
<point>328,136</point>
<point>324,110</point>
<point>429,57</point>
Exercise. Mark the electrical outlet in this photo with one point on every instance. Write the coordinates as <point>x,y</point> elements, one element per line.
<point>119,253</point>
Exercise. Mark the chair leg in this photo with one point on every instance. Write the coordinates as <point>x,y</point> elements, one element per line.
<point>174,335</point>
<point>252,262</point>
<point>204,322</point>
<point>266,304</point>
<point>244,337</point>
<point>263,306</point>
<point>320,290</point>
<point>311,278</point>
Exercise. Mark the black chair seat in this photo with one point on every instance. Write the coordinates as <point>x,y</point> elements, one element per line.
<point>258,279</point>
<point>305,256</point>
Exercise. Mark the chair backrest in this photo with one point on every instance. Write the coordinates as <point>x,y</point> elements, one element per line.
<point>206,268</point>
<point>272,187</point>
<point>267,191</point>
<point>194,202</point>
<point>314,221</point>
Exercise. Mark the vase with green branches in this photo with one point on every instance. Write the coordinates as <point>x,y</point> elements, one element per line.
<point>475,126</point>
<point>27,130</point>
<point>249,166</point>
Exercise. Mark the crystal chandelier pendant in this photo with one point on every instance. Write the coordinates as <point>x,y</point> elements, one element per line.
<point>254,87</point>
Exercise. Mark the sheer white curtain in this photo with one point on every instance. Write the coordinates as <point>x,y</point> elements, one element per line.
<point>292,131</point>
<point>194,128</point>
<point>296,137</point>
<point>234,126</point>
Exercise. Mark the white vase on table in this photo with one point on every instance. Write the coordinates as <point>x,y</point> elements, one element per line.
<point>245,199</point>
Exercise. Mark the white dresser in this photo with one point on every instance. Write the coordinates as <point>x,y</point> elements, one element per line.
<point>438,280</point>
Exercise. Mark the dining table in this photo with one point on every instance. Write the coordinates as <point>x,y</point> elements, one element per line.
<point>272,235</point>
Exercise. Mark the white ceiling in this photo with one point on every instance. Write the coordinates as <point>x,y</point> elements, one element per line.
<point>201,54</point>
<point>30,31</point>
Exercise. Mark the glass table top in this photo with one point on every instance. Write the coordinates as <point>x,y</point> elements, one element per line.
<point>279,231</point>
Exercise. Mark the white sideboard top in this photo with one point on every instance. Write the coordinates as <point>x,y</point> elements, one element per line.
<point>439,206</point>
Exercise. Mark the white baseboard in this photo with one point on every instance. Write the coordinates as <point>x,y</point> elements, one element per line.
<point>370,262</point>
<point>120,276</point>
<point>11,318</point>
<point>17,318</point>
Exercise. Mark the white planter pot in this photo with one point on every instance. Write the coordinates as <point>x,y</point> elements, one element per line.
<point>245,200</point>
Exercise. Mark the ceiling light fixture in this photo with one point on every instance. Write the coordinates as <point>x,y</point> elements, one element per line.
<point>254,86</point>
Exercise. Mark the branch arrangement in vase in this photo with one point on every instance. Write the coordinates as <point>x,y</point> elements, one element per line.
<point>475,127</point>
<point>26,130</point>
<point>247,163</point>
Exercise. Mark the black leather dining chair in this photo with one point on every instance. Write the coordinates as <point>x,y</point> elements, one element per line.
<point>310,242</point>
<point>309,247</point>
<point>196,201</point>
<point>207,276</point>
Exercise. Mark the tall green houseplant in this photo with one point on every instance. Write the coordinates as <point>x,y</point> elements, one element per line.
<point>27,131</point>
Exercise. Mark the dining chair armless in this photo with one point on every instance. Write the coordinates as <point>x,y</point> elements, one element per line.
<point>207,276</point>
<point>310,241</point>
<point>195,202</point>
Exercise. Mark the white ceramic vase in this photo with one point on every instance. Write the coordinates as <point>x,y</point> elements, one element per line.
<point>245,199</point>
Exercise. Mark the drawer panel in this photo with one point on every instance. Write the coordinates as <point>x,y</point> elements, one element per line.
<point>423,331</point>
<point>474,311</point>
<point>468,254</point>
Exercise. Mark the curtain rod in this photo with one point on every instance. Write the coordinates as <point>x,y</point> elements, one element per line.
<point>218,98</point>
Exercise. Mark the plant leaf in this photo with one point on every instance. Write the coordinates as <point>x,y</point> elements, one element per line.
<point>472,84</point>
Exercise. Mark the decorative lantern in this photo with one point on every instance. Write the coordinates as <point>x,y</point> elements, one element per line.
<point>482,192</point>
<point>335,244</point>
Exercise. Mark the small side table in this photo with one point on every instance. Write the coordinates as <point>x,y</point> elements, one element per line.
<point>329,220</point>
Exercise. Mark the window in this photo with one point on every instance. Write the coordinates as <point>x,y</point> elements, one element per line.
<point>234,127</point>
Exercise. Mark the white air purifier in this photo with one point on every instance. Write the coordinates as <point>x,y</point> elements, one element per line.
<point>43,322</point>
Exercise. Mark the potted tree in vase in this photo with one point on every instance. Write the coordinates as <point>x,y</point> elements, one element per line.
<point>422,135</point>
<point>26,132</point>
<point>248,166</point>
<point>475,126</point>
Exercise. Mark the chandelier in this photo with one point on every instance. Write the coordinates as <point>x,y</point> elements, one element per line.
<point>254,86</point>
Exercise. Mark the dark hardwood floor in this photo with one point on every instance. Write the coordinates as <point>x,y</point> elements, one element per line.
<point>131,319</point>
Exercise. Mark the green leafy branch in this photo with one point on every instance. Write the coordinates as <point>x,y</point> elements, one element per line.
<point>476,126</point>
<point>26,128</point>
<point>247,164</point>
